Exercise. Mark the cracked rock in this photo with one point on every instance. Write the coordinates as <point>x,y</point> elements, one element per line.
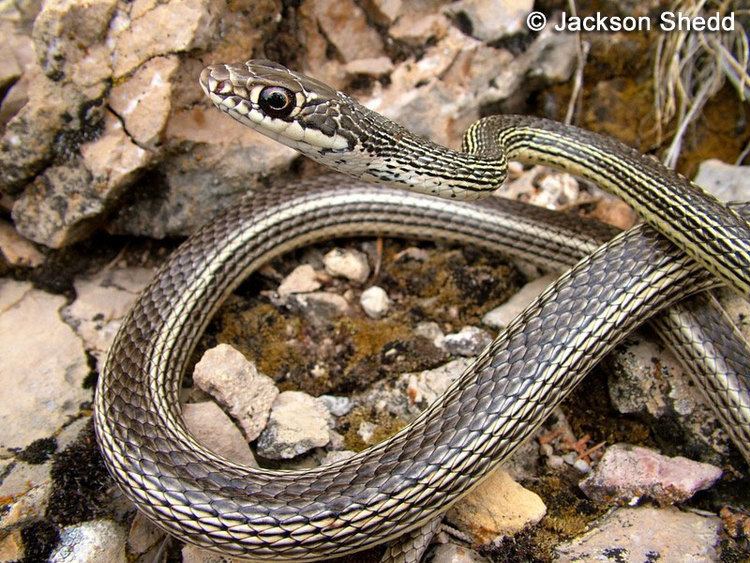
<point>630,472</point>
<point>237,385</point>
<point>33,334</point>
<point>727,182</point>
<point>298,423</point>
<point>491,20</point>
<point>469,341</point>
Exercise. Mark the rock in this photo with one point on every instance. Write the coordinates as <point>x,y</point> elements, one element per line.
<point>143,536</point>
<point>383,12</point>
<point>101,303</point>
<point>646,379</point>
<point>214,429</point>
<point>377,67</point>
<point>302,279</point>
<point>347,263</point>
<point>30,506</point>
<point>469,341</point>
<point>489,20</point>
<point>143,101</point>
<point>344,24</point>
<point>500,317</point>
<point>629,472</point>
<point>23,478</point>
<point>10,70</point>
<point>727,182</point>
<point>375,302</point>
<point>497,507</point>
<point>319,307</point>
<point>337,406</point>
<point>298,423</point>
<point>212,162</point>
<point>452,553</point>
<point>429,330</point>
<point>235,383</point>
<point>646,534</point>
<point>417,30</point>
<point>16,250</point>
<point>95,540</point>
<point>175,26</point>
<point>426,386</point>
<point>33,334</point>
<point>12,546</point>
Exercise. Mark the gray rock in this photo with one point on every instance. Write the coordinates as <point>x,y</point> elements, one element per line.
<point>725,181</point>
<point>214,429</point>
<point>143,536</point>
<point>426,386</point>
<point>375,302</point>
<point>95,540</point>
<point>302,279</point>
<point>193,554</point>
<point>452,553</point>
<point>429,330</point>
<point>384,12</point>
<point>319,307</point>
<point>497,507</point>
<point>647,379</point>
<point>646,534</point>
<point>377,67</point>
<point>29,506</point>
<point>33,334</point>
<point>298,423</point>
<point>344,24</point>
<point>469,341</point>
<point>491,20</point>
<point>333,457</point>
<point>24,478</point>
<point>347,263</point>
<point>237,385</point>
<point>501,316</point>
<point>629,472</point>
<point>337,406</point>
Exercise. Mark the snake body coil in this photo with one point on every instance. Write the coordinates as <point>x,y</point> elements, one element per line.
<point>405,481</point>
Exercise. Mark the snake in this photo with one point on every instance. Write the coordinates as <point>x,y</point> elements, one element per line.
<point>689,242</point>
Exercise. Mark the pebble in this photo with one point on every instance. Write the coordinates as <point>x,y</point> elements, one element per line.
<point>497,507</point>
<point>375,302</point>
<point>298,423</point>
<point>426,386</point>
<point>347,263</point>
<point>469,341</point>
<point>429,330</point>
<point>452,553</point>
<point>94,540</point>
<point>214,429</point>
<point>500,317</point>
<point>302,279</point>
<point>237,385</point>
<point>333,457</point>
<point>646,534</point>
<point>725,181</point>
<point>629,472</point>
<point>337,406</point>
<point>33,334</point>
<point>320,307</point>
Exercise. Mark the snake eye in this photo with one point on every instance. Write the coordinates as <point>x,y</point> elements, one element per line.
<point>276,101</point>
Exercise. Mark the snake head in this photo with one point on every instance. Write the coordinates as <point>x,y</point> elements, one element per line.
<point>294,109</point>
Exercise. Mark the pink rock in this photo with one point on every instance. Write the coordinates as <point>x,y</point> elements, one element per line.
<point>628,472</point>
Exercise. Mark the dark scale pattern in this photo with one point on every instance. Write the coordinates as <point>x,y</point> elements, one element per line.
<point>397,485</point>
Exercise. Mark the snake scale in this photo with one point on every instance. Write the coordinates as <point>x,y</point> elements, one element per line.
<point>405,481</point>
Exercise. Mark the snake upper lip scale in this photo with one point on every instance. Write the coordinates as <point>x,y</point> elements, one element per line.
<point>500,400</point>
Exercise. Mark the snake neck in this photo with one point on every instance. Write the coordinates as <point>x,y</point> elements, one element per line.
<point>380,150</point>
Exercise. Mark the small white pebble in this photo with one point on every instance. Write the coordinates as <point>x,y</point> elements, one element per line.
<point>375,302</point>
<point>555,462</point>
<point>582,466</point>
<point>301,280</point>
